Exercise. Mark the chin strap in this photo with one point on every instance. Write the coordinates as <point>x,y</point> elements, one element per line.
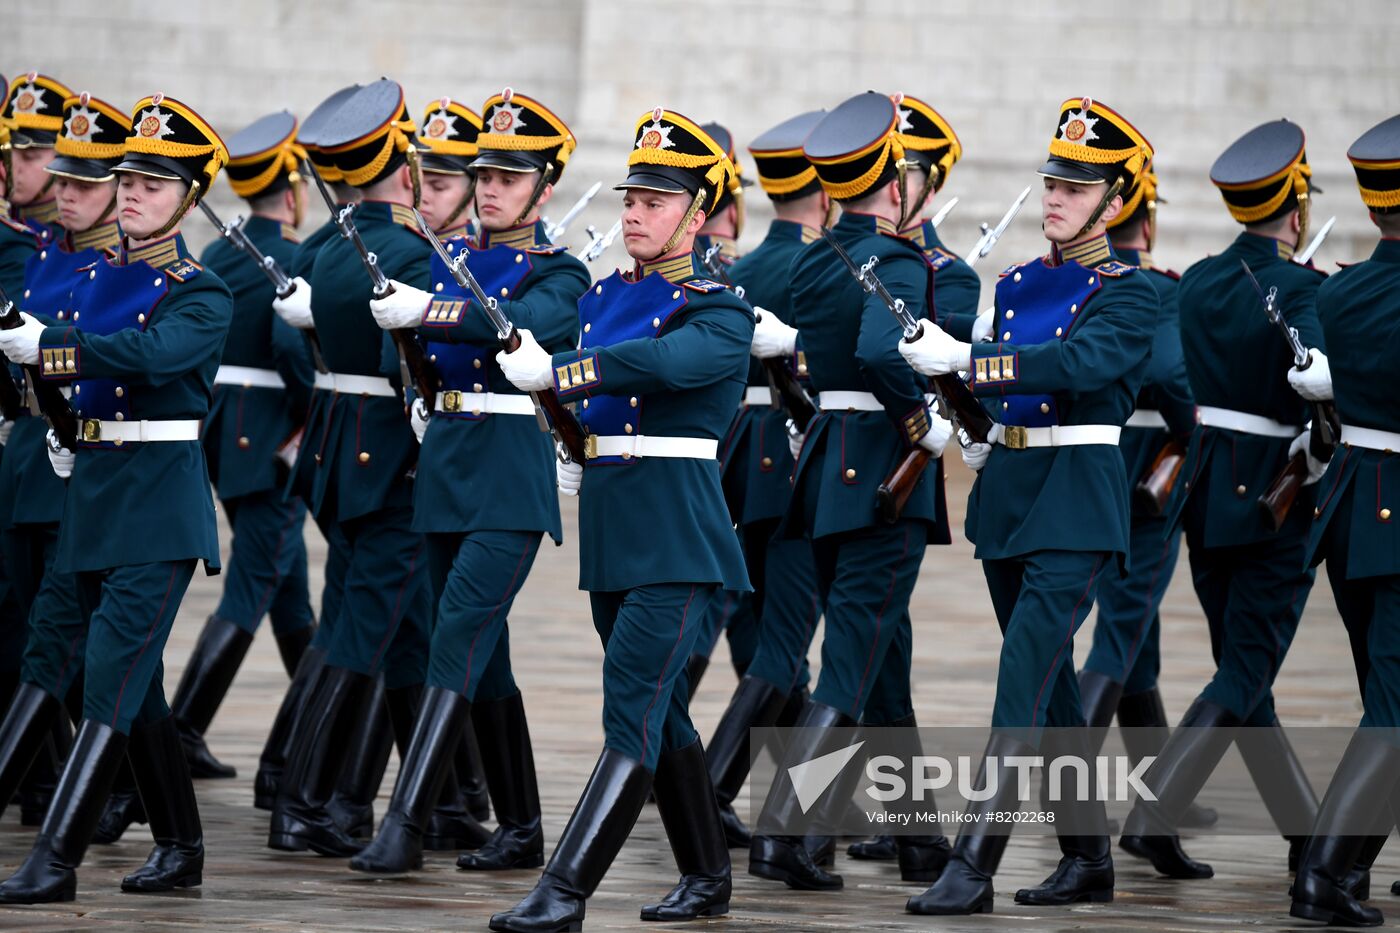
<point>298,197</point>
<point>191,196</point>
<point>690,212</point>
<point>832,211</point>
<point>929,186</point>
<point>545,177</point>
<point>1108,196</point>
<point>462,204</point>
<point>1151,223</point>
<point>415,175</point>
<point>901,169</point>
<point>1304,209</point>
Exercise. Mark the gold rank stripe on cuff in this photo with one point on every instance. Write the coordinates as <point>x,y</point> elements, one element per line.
<point>444,312</point>
<point>575,376</point>
<point>996,369</point>
<point>59,362</point>
<point>916,424</point>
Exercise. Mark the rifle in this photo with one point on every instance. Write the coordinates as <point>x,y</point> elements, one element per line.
<point>1326,426</point>
<point>943,212</point>
<point>1307,253</point>
<point>1154,489</point>
<point>281,284</point>
<point>990,235</point>
<point>787,391</point>
<point>555,231</point>
<point>51,400</point>
<point>560,422</point>
<point>957,400</point>
<point>414,370</point>
<point>599,242</point>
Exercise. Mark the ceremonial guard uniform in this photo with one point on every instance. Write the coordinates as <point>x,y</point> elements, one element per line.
<point>1355,533</point>
<point>1250,578</point>
<point>756,468</point>
<point>261,393</point>
<point>361,481</point>
<point>140,351</point>
<point>873,414</point>
<point>1074,328</point>
<point>485,492</point>
<point>657,377</point>
<point>92,140</point>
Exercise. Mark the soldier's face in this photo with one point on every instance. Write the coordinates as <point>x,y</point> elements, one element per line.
<point>30,176</point>
<point>650,217</point>
<point>441,195</point>
<point>1066,207</point>
<point>81,204</point>
<point>145,204</point>
<point>501,196</point>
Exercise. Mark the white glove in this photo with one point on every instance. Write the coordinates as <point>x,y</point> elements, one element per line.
<point>939,430</point>
<point>795,442</point>
<point>295,309</point>
<point>60,458</point>
<point>569,476</point>
<point>1316,467</point>
<point>935,353</point>
<point>975,456</point>
<point>288,450</point>
<point>5,426</point>
<point>982,327</point>
<point>403,309</point>
<point>418,418</point>
<point>22,344</point>
<point>529,368</point>
<point>1315,382</point>
<point>771,337</point>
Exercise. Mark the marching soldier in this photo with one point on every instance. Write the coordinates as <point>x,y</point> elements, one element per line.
<point>485,493</point>
<point>873,414</point>
<point>448,140</point>
<point>658,375</point>
<point>1354,532</point>
<point>140,350</point>
<point>250,437</point>
<point>90,143</point>
<point>1250,575</point>
<point>756,466</point>
<point>361,481</point>
<point>1073,329</point>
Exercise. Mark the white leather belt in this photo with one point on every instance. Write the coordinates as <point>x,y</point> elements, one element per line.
<point>347,384</point>
<point>629,446</point>
<point>483,403</point>
<point>758,397</point>
<point>1244,422</point>
<point>848,401</point>
<point>248,377</point>
<point>1059,435</point>
<point>1370,438</point>
<point>120,432</point>
<point>1146,418</point>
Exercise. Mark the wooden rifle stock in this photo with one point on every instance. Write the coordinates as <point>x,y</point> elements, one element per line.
<point>1155,487</point>
<point>419,370</point>
<point>566,427</point>
<point>967,413</point>
<point>1278,498</point>
<point>51,400</point>
<point>894,492</point>
<point>790,393</point>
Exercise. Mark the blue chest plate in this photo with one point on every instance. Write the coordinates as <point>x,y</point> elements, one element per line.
<point>501,270</point>
<point>613,311</point>
<point>108,299</point>
<point>1039,303</point>
<point>50,276</point>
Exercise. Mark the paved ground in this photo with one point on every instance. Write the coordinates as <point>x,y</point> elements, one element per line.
<point>248,887</point>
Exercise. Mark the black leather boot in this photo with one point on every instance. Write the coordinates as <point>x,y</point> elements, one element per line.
<point>1176,777</point>
<point>755,704</point>
<point>471,775</point>
<point>684,800</point>
<point>965,884</point>
<point>371,741</point>
<point>601,822</point>
<point>123,808</point>
<point>694,670</point>
<point>786,858</point>
<point>1281,782</point>
<point>212,666</point>
<point>36,790</point>
<point>922,857</point>
<point>1354,809</point>
<point>49,872</point>
<point>509,763</point>
<point>1099,695</point>
<point>398,845</point>
<point>278,747</point>
<point>300,819</point>
<point>1085,871</point>
<point>24,734</point>
<point>158,762</point>
<point>1143,719</point>
<point>291,647</point>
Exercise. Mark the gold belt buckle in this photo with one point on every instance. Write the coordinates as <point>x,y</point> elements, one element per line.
<point>1013,436</point>
<point>92,430</point>
<point>590,447</point>
<point>452,401</point>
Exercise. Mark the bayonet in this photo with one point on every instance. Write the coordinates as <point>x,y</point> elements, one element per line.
<point>555,231</point>
<point>599,242</point>
<point>990,235</point>
<point>1307,253</point>
<point>943,212</point>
